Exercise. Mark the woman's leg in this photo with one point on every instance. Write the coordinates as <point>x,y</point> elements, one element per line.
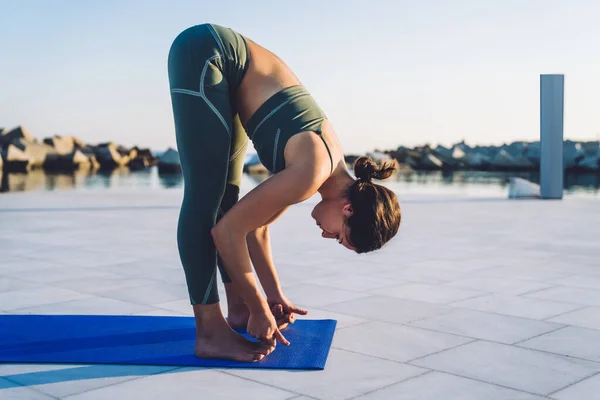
<point>203,126</point>
<point>237,312</point>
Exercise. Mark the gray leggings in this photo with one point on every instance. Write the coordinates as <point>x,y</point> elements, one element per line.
<point>206,63</point>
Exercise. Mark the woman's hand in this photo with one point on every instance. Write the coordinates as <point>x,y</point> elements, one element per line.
<point>263,327</point>
<point>283,310</point>
<point>282,319</point>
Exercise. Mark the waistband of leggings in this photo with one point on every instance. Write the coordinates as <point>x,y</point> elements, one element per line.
<point>234,47</point>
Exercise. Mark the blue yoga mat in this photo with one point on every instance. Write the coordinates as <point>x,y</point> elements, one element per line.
<point>144,340</point>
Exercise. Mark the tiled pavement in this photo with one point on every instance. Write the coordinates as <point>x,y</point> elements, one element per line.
<point>476,298</point>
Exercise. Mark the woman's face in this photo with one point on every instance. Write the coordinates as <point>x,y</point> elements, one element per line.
<point>330,216</point>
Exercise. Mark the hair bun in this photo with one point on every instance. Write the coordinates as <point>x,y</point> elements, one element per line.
<point>365,169</point>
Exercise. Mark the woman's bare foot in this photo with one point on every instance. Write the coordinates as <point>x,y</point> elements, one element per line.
<point>237,316</point>
<point>237,311</point>
<point>232,346</point>
<point>216,339</point>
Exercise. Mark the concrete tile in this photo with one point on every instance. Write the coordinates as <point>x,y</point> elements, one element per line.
<point>159,312</point>
<point>345,376</point>
<point>521,369</point>
<point>148,294</point>
<point>582,281</point>
<point>182,307</point>
<point>106,283</point>
<point>482,253</point>
<point>184,384</point>
<point>343,320</point>
<point>61,381</point>
<point>588,317</point>
<point>487,326</point>
<point>90,305</point>
<point>358,283</point>
<point>585,389</point>
<point>394,342</point>
<point>570,341</point>
<point>424,275</point>
<point>537,274</point>
<point>21,266</point>
<point>437,294</point>
<point>21,248</point>
<point>388,309</point>
<point>18,299</point>
<point>584,297</point>
<point>516,306</point>
<point>290,275</point>
<point>9,284</point>
<point>96,259</point>
<point>61,254</point>
<point>498,285</point>
<point>306,295</point>
<point>512,256</point>
<point>468,265</point>
<point>52,275</point>
<point>437,385</point>
<point>149,270</point>
<point>12,391</point>
<point>6,259</point>
<point>342,265</point>
<point>586,266</point>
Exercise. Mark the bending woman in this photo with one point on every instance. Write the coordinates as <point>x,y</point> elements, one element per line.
<point>227,90</point>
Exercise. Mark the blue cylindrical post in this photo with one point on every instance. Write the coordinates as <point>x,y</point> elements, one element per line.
<point>551,135</point>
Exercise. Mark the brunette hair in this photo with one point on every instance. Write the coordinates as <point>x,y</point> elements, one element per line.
<point>376,212</point>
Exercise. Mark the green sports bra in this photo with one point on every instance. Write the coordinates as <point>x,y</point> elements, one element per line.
<point>286,113</point>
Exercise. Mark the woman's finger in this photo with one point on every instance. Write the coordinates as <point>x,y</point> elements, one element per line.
<point>278,311</point>
<point>283,321</point>
<point>280,338</point>
<point>269,342</point>
<point>298,310</point>
<point>282,324</point>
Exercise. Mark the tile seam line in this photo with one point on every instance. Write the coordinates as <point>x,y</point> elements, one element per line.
<point>20,385</point>
<point>123,382</point>
<point>518,343</point>
<point>565,313</point>
<point>458,376</point>
<point>476,338</point>
<point>511,345</point>
<point>391,384</point>
<point>520,316</point>
<point>573,384</point>
<point>489,383</point>
<point>296,394</point>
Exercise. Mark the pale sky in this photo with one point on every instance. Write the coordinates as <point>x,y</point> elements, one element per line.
<point>387,73</point>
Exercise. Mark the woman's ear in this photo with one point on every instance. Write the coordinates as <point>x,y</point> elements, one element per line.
<point>347,210</point>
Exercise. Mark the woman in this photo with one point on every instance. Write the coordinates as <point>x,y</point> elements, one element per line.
<point>226,89</point>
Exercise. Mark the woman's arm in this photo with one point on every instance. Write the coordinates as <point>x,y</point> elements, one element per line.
<point>301,179</point>
<point>259,247</point>
<point>254,210</point>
